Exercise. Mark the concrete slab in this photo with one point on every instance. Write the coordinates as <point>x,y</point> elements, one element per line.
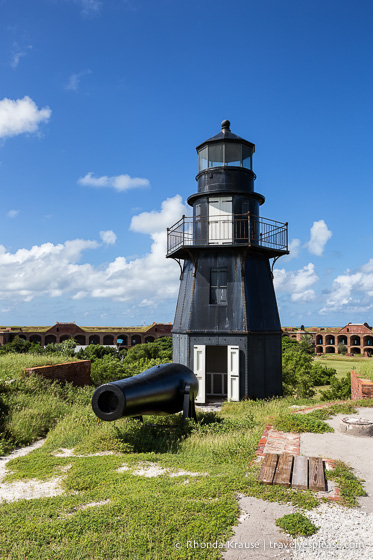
<point>257,537</point>
<point>357,452</point>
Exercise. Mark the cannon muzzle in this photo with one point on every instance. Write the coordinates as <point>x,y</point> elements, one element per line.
<point>160,390</point>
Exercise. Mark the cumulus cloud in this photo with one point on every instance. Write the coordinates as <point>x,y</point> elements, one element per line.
<point>294,248</point>
<point>108,237</point>
<point>151,222</point>
<point>12,213</point>
<point>351,291</point>
<point>120,183</point>
<point>20,116</point>
<point>52,270</point>
<point>320,235</point>
<point>297,283</point>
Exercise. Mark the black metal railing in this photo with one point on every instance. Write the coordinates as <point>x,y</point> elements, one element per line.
<point>228,229</point>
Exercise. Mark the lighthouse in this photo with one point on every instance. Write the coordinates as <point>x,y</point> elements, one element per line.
<point>227,327</point>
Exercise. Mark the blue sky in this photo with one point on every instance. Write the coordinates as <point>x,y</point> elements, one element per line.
<point>101,106</point>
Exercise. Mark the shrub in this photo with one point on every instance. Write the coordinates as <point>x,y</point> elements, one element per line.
<point>296,374</point>
<point>321,375</point>
<point>108,368</point>
<point>340,389</point>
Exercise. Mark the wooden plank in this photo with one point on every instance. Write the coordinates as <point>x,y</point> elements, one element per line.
<point>316,477</point>
<point>300,473</point>
<point>283,470</point>
<point>267,472</point>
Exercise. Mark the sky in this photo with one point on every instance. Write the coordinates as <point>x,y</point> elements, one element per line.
<point>102,103</point>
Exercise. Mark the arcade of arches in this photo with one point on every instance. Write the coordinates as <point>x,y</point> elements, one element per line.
<point>122,337</point>
<point>357,338</point>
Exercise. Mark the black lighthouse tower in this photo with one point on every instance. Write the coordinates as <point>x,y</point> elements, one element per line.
<point>227,327</point>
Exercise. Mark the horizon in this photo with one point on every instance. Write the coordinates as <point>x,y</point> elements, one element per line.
<point>102,107</point>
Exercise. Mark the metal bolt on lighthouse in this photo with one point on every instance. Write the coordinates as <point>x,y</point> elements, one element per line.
<point>227,327</point>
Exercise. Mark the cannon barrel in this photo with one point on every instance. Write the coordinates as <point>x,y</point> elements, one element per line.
<point>159,390</point>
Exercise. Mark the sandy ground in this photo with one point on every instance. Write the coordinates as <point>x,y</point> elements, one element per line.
<point>257,537</point>
<point>355,451</point>
<point>30,489</point>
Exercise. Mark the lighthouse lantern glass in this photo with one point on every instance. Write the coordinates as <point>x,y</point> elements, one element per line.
<point>202,159</point>
<point>222,154</point>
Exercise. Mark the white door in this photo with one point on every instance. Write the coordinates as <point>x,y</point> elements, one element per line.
<point>220,220</point>
<point>199,370</point>
<point>233,373</point>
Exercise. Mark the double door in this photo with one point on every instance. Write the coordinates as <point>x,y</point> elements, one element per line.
<point>217,384</point>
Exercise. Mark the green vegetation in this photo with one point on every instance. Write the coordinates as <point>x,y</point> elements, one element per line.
<point>365,370</point>
<point>12,366</point>
<point>312,421</point>
<point>340,389</point>
<point>300,374</point>
<point>296,524</point>
<point>350,486</point>
<point>108,510</point>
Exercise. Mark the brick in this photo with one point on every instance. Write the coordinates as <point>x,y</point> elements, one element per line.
<point>78,373</point>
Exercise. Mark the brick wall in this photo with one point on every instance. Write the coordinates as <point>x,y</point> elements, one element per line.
<point>78,373</point>
<point>360,388</point>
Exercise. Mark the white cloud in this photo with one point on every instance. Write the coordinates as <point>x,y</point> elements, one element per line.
<point>151,222</point>
<point>52,270</point>
<point>351,291</point>
<point>74,80</point>
<point>320,235</point>
<point>17,54</point>
<point>120,182</point>
<point>108,237</point>
<point>297,283</point>
<point>89,7</point>
<point>12,213</point>
<point>294,248</point>
<point>20,116</point>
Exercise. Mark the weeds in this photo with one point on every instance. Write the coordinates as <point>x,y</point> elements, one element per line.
<point>296,524</point>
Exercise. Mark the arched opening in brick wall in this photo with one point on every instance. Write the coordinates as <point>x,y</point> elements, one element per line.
<point>330,350</point>
<point>108,340</point>
<point>368,340</point>
<point>342,339</point>
<point>149,339</point>
<point>355,351</point>
<point>64,337</point>
<point>122,340</point>
<point>50,339</point>
<point>368,351</point>
<point>319,350</point>
<point>355,340</point>
<point>319,339</point>
<point>329,339</point>
<point>80,339</point>
<point>135,339</point>
<point>94,339</point>
<point>23,336</point>
<point>35,338</point>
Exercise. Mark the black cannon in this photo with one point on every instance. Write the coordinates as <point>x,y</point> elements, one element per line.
<point>160,390</point>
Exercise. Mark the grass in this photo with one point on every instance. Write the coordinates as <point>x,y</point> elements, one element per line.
<point>135,517</point>
<point>343,364</point>
<point>12,366</point>
<point>365,370</point>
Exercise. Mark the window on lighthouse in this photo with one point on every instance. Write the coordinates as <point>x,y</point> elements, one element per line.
<point>218,286</point>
